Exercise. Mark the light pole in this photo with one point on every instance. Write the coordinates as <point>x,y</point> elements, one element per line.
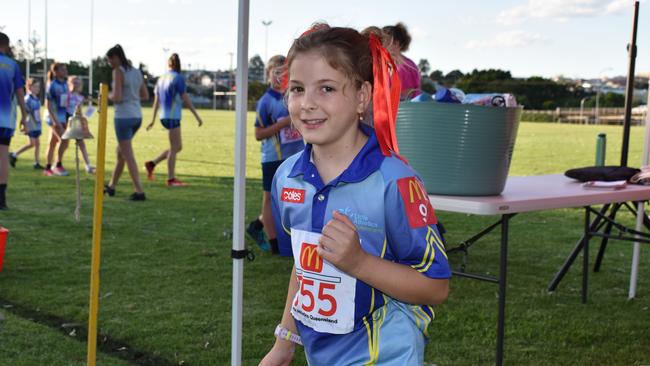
<point>266,24</point>
<point>90,68</point>
<point>29,31</point>
<point>230,82</point>
<point>600,86</point>
<point>582,107</point>
<point>45,58</point>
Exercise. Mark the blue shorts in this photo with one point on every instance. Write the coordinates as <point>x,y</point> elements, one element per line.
<point>125,128</point>
<point>268,171</point>
<point>170,124</point>
<point>5,135</point>
<point>34,134</point>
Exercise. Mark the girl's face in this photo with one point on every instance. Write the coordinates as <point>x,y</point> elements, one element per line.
<point>275,76</point>
<point>114,61</point>
<point>76,86</point>
<point>61,72</point>
<point>323,103</point>
<point>35,89</point>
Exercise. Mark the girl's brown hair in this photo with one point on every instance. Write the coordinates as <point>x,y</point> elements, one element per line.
<point>51,74</point>
<point>399,33</point>
<point>344,49</point>
<point>174,62</point>
<point>31,81</point>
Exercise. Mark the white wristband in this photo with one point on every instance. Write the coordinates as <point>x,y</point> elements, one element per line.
<point>284,333</point>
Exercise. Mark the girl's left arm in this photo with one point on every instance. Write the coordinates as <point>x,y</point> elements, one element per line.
<point>188,103</point>
<point>340,246</point>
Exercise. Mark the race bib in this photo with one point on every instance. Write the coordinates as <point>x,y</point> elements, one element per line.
<point>289,135</point>
<point>64,100</point>
<point>325,297</point>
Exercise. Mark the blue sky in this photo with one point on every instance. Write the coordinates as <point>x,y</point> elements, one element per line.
<point>574,38</point>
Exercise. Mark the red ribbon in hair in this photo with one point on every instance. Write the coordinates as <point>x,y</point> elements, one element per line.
<point>385,96</point>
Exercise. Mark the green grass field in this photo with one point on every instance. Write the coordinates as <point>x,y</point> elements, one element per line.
<point>166,267</point>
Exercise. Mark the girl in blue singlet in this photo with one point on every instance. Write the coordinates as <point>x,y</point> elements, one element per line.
<point>32,128</point>
<point>171,95</point>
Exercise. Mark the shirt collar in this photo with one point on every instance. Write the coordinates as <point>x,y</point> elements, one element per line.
<point>367,161</point>
<point>276,94</point>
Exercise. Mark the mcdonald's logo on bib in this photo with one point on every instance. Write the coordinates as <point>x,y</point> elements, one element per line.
<point>416,202</point>
<point>309,258</point>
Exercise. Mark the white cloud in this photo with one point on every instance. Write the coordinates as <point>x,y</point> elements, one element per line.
<point>510,39</point>
<point>561,10</point>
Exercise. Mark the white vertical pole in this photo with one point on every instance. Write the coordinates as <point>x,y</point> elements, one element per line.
<point>29,36</point>
<point>45,59</point>
<point>239,197</point>
<point>640,212</point>
<point>90,68</point>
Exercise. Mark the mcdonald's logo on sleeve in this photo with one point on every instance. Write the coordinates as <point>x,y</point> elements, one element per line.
<point>309,258</point>
<point>416,202</point>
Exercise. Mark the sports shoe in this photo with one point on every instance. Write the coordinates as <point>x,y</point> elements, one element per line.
<point>109,191</point>
<point>90,169</point>
<point>149,166</point>
<point>176,183</point>
<point>137,197</point>
<point>48,173</point>
<point>258,236</point>
<point>60,171</point>
<point>38,166</point>
<point>12,159</point>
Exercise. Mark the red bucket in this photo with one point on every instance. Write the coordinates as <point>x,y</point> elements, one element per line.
<point>3,241</point>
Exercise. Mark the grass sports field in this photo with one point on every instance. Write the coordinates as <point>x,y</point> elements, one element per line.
<point>166,267</point>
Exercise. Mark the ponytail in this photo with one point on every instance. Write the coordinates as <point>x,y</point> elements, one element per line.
<point>119,52</point>
<point>52,72</point>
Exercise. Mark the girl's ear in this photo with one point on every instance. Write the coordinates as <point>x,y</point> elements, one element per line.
<point>364,97</point>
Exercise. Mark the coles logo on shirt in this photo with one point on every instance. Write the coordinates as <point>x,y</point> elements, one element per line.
<point>293,195</point>
<point>416,202</point>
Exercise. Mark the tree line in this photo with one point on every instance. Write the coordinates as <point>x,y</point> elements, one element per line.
<point>533,92</point>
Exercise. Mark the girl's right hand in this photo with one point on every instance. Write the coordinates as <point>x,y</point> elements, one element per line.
<point>280,355</point>
<point>150,125</point>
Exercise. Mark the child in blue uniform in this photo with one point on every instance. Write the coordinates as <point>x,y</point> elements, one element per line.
<point>12,92</point>
<point>33,125</point>
<point>171,93</point>
<point>369,264</point>
<point>279,141</point>
<point>56,108</point>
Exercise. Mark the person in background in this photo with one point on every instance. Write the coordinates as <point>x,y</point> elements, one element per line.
<point>32,127</point>
<point>409,73</point>
<point>56,109</point>
<point>12,93</point>
<point>279,141</point>
<point>171,93</point>
<point>127,91</point>
<point>75,99</point>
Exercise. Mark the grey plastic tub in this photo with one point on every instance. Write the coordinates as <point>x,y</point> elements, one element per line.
<point>458,149</point>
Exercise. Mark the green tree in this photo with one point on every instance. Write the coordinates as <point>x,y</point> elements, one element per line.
<point>424,66</point>
<point>256,69</point>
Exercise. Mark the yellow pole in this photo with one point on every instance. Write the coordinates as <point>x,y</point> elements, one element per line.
<point>97,226</point>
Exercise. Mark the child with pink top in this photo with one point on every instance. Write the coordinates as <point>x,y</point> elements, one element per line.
<point>408,71</point>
